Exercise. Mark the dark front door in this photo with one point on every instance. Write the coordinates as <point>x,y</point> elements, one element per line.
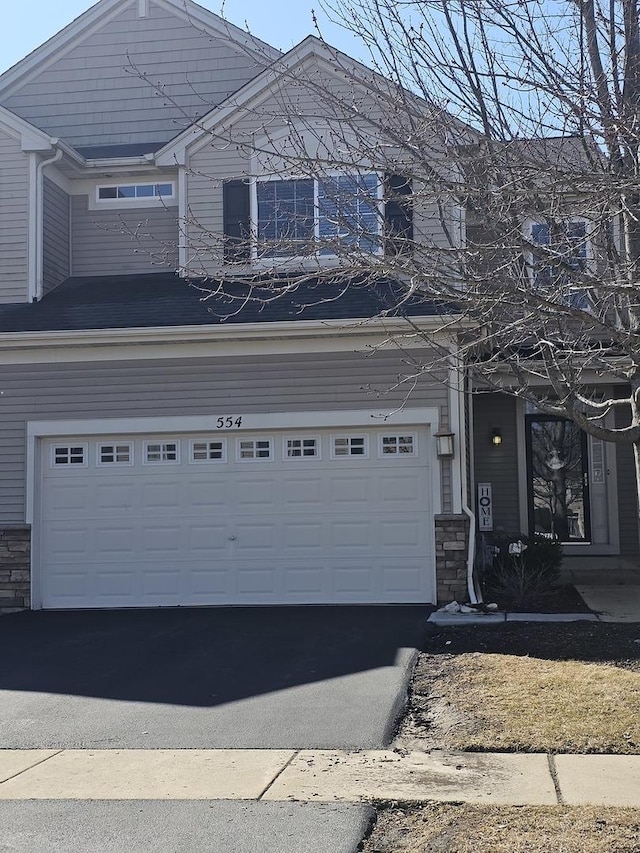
<point>557,479</point>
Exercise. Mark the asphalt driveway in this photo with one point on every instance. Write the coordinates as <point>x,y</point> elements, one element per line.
<point>289,677</point>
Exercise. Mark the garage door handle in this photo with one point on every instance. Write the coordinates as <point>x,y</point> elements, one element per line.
<point>232,538</point>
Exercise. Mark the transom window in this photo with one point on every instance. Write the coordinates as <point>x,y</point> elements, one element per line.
<point>136,191</point>
<point>396,444</point>
<point>161,451</point>
<point>349,445</point>
<point>74,454</point>
<point>249,448</point>
<point>298,448</point>
<point>115,454</point>
<point>208,451</point>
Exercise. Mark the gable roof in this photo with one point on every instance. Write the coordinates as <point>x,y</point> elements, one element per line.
<point>310,49</point>
<point>102,12</point>
<point>31,137</point>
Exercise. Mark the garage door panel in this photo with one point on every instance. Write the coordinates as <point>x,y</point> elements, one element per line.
<point>231,531</point>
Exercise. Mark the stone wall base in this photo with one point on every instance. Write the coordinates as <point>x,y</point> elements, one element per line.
<point>15,567</point>
<point>452,540</point>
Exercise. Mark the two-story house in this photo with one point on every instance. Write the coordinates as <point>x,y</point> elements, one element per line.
<point>167,441</point>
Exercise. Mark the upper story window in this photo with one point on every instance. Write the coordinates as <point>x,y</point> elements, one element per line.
<point>136,192</point>
<point>565,252</point>
<point>311,217</point>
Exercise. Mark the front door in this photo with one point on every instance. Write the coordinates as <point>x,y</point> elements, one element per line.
<point>557,479</point>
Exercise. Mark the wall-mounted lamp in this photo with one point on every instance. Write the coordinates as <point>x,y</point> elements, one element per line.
<point>496,437</point>
<point>444,444</point>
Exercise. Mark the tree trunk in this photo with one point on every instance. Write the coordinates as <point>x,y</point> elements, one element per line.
<point>636,456</point>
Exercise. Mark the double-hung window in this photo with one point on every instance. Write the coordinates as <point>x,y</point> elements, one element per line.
<point>286,217</point>
<point>348,214</point>
<point>563,255</point>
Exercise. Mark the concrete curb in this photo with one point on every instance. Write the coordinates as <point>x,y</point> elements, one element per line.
<point>443,618</point>
<point>320,776</point>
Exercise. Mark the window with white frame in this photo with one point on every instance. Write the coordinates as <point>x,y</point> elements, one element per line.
<point>208,451</point>
<point>301,448</point>
<point>397,445</point>
<point>115,454</point>
<point>306,216</point>
<point>69,454</point>
<point>349,445</point>
<point>161,451</point>
<point>135,192</point>
<point>254,448</point>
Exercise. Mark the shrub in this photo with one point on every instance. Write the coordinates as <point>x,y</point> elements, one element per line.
<point>526,580</point>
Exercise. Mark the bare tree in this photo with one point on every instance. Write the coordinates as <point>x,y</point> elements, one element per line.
<point>507,135</point>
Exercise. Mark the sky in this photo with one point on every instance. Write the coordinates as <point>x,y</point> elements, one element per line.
<point>281,23</point>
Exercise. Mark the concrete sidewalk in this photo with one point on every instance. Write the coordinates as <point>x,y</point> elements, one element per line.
<point>318,776</point>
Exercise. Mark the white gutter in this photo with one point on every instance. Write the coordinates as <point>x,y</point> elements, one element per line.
<point>39,224</point>
<point>283,329</point>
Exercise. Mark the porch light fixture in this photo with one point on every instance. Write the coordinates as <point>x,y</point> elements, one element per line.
<point>444,444</point>
<point>496,437</point>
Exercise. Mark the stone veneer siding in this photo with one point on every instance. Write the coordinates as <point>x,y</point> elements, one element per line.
<point>452,537</point>
<point>15,566</point>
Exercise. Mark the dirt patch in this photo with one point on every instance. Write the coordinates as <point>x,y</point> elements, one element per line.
<point>452,828</point>
<point>527,687</point>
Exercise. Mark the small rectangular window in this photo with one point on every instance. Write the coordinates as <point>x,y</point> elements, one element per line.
<point>131,192</point>
<point>208,451</point>
<point>249,448</point>
<point>349,445</point>
<point>301,448</point>
<point>397,444</point>
<point>161,451</point>
<point>74,454</point>
<point>115,454</point>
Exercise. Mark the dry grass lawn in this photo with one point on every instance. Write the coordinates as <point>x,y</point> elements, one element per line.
<point>450,828</point>
<point>504,702</point>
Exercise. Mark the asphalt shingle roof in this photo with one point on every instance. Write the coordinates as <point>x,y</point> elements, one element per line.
<point>165,300</point>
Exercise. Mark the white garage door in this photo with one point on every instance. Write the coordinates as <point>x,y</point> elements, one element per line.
<point>327,516</point>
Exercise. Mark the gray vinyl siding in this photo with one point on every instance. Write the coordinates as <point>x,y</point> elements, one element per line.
<point>276,383</point>
<point>230,156</point>
<point>94,93</point>
<point>125,241</point>
<point>498,465</point>
<point>55,224</point>
<point>627,500</point>
<point>14,220</point>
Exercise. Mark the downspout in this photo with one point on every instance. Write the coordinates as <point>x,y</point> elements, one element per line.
<point>39,241</point>
<point>475,594</point>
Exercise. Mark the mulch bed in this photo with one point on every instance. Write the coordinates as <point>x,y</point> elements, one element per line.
<point>600,642</point>
<point>563,599</point>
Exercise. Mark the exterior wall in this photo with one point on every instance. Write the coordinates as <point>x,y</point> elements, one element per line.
<point>498,465</point>
<point>230,156</point>
<point>273,383</point>
<point>14,220</point>
<point>452,538</point>
<point>94,93</point>
<point>56,237</point>
<point>116,242</point>
<point>15,567</point>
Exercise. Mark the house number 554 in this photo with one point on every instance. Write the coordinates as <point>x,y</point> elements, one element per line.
<point>229,422</point>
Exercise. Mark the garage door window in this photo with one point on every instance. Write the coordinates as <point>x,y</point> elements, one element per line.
<point>75,454</point>
<point>301,448</point>
<point>394,445</point>
<point>349,445</point>
<point>161,451</point>
<point>115,454</point>
<point>208,451</point>
<point>249,449</point>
